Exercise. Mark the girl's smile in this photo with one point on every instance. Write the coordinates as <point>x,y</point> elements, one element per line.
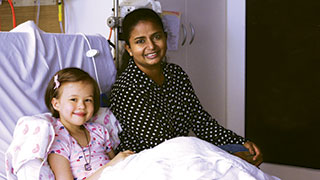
<point>81,114</point>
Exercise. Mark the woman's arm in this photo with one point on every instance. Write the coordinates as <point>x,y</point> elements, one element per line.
<point>122,96</point>
<point>203,124</point>
<point>60,167</point>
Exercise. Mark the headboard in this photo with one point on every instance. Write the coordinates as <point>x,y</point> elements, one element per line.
<point>28,59</point>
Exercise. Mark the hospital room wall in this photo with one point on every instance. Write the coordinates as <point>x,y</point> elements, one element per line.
<point>90,17</point>
<point>48,18</point>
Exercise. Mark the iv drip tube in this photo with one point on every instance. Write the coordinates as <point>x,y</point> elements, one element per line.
<point>93,60</point>
<point>13,14</point>
<point>60,15</point>
<point>38,13</point>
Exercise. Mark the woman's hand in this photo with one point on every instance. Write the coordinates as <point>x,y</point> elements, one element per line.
<point>253,156</point>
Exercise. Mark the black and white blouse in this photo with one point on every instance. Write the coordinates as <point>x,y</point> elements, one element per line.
<point>150,114</point>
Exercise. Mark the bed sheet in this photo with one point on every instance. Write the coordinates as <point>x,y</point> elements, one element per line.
<point>186,158</point>
<point>28,59</point>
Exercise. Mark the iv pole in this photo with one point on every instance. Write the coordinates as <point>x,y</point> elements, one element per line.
<point>113,22</point>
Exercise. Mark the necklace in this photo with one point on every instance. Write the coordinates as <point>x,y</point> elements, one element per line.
<point>87,166</point>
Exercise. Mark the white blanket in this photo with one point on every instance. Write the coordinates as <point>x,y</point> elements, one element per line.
<point>186,158</point>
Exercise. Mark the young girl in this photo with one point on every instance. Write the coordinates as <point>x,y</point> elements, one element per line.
<point>79,148</point>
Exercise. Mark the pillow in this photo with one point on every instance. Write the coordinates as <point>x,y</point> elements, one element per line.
<point>32,138</point>
<point>107,118</point>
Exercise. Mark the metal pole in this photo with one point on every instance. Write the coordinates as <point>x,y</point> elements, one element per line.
<point>116,33</point>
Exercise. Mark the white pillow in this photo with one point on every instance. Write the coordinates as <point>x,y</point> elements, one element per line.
<point>106,118</point>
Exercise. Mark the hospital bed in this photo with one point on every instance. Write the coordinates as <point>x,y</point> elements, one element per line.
<point>28,59</point>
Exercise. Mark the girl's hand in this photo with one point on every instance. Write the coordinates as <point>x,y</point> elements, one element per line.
<point>120,156</point>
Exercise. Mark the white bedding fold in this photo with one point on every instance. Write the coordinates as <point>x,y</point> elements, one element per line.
<point>186,158</point>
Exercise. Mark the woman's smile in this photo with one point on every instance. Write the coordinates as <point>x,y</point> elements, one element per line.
<point>151,55</point>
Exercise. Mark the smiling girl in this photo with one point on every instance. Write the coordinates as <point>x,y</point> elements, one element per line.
<point>80,147</point>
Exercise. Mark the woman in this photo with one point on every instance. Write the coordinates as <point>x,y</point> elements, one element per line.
<point>155,101</point>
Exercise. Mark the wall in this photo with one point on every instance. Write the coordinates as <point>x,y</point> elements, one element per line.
<point>48,19</point>
<point>236,91</point>
<point>88,17</point>
<point>235,65</point>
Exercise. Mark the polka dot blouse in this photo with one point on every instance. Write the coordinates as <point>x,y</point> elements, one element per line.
<point>150,114</point>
